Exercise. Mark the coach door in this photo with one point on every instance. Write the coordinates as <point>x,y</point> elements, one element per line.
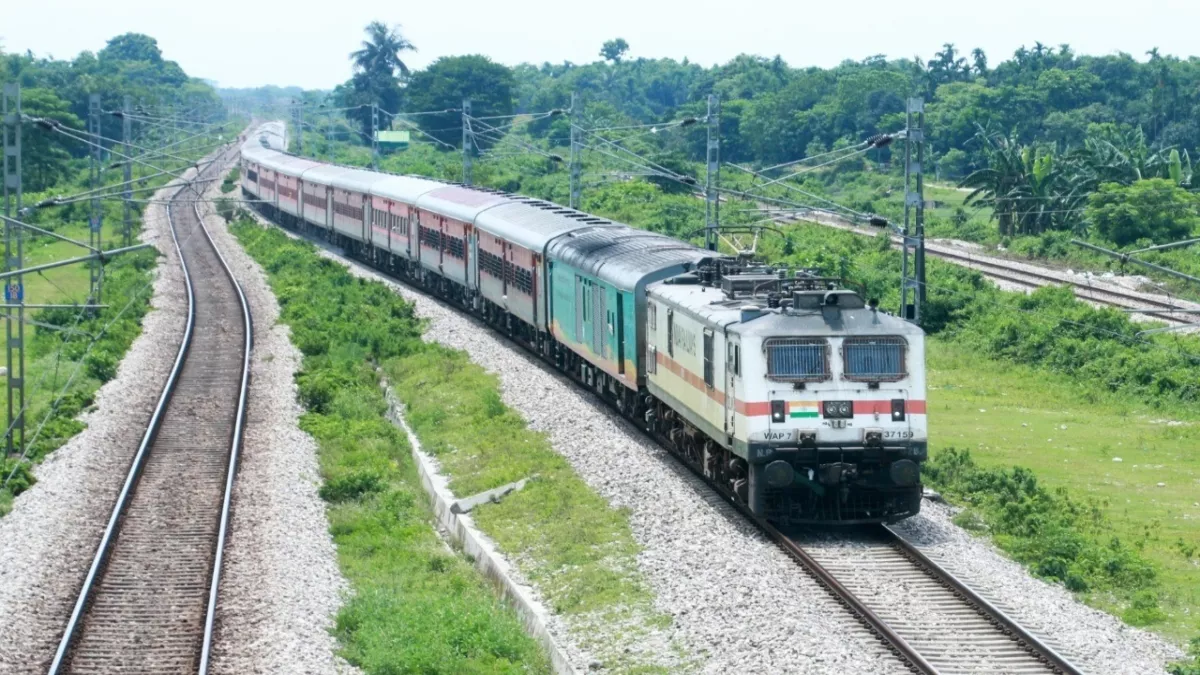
<point>733,367</point>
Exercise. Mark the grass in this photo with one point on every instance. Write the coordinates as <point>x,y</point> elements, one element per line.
<point>1068,436</point>
<point>417,607</point>
<point>576,548</point>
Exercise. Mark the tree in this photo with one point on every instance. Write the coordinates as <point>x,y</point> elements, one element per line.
<point>1154,209</point>
<point>376,66</point>
<point>44,155</point>
<point>979,61</point>
<point>131,47</point>
<point>380,53</point>
<point>613,50</point>
<point>450,79</point>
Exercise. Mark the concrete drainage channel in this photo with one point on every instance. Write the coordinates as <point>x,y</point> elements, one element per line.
<point>454,520</point>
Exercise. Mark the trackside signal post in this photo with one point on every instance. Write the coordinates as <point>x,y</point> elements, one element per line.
<point>374,136</point>
<point>127,194</point>
<point>912,270</point>
<point>10,126</point>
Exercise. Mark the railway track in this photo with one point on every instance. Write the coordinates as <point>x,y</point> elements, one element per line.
<point>926,609</point>
<point>147,604</point>
<point>1105,296</point>
<point>995,268</point>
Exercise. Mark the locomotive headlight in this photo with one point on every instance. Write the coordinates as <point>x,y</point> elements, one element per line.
<point>838,409</point>
<point>778,412</point>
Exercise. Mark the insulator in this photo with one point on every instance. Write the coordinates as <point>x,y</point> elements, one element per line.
<point>878,221</point>
<point>880,140</point>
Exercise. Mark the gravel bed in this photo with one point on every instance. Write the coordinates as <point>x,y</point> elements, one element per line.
<point>1095,641</point>
<point>48,540</point>
<point>738,602</point>
<point>281,585</point>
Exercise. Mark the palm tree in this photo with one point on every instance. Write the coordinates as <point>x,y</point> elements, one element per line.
<point>380,53</point>
<point>979,59</point>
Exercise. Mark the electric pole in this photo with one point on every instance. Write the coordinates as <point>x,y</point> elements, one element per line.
<point>14,293</point>
<point>300,128</point>
<point>96,219</point>
<point>913,274</point>
<point>712,180</point>
<point>466,141</point>
<point>576,154</point>
<point>374,136</point>
<point>127,196</point>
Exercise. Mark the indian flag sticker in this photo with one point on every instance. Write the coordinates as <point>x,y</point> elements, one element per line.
<point>798,409</point>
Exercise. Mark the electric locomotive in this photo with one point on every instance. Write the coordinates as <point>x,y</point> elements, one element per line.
<point>793,394</point>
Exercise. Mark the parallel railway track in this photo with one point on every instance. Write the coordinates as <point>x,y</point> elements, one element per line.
<point>148,602</point>
<point>995,268</point>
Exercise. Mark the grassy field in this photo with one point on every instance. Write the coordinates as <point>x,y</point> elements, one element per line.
<point>1137,463</point>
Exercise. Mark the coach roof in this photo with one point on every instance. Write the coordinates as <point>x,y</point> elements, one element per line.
<point>404,189</point>
<point>623,256</point>
<point>532,223</point>
<point>460,203</point>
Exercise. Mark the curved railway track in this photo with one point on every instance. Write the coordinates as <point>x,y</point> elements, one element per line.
<point>148,602</point>
<point>1032,279</point>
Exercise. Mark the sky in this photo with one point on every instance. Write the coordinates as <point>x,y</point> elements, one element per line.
<point>244,43</point>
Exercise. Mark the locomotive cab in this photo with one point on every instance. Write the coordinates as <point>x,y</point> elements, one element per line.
<point>801,399</point>
<point>839,430</point>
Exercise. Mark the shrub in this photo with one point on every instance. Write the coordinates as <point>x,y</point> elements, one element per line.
<point>351,485</point>
<point>1059,537</point>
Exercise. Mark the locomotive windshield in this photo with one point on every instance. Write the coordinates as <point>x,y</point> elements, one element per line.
<point>797,359</point>
<point>875,359</point>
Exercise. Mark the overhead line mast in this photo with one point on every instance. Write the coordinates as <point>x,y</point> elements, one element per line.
<point>912,266</point>
<point>10,126</point>
<point>712,180</point>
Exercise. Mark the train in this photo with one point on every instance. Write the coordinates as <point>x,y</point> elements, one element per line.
<point>787,391</point>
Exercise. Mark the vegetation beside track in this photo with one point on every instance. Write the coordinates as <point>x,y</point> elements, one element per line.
<point>576,548</point>
<point>565,538</point>
<point>416,607</point>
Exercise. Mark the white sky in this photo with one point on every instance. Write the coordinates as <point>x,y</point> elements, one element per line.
<point>244,43</point>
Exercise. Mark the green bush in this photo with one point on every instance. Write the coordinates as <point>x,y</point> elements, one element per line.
<point>1057,536</point>
<point>351,485</point>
